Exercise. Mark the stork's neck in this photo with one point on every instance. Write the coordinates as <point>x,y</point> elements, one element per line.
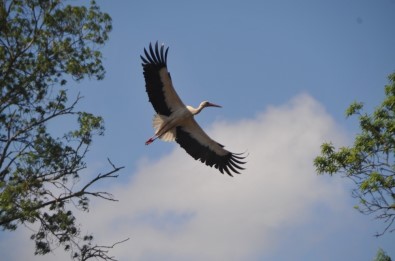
<point>197,110</point>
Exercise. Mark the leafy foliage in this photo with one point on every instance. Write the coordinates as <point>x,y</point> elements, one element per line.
<point>370,161</point>
<point>44,44</point>
<point>382,256</point>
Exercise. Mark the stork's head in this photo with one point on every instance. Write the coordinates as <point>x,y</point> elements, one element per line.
<point>202,105</point>
<point>209,104</point>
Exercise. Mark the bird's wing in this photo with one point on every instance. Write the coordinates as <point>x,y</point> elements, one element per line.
<point>201,147</point>
<point>158,82</point>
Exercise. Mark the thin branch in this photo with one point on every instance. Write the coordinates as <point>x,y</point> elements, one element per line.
<point>77,194</point>
<point>99,252</point>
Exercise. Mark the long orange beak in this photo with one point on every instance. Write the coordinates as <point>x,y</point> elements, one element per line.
<point>213,105</point>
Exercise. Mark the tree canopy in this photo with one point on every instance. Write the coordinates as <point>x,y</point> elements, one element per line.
<point>381,256</point>
<point>370,161</point>
<point>46,45</point>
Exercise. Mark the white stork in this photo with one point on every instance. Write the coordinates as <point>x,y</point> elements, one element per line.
<point>175,122</point>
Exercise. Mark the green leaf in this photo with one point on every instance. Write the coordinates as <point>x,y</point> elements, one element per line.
<point>370,161</point>
<point>354,108</point>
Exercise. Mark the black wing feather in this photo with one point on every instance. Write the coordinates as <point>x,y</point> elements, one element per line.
<point>152,63</point>
<point>162,54</point>
<point>152,52</point>
<point>203,153</point>
<point>167,49</point>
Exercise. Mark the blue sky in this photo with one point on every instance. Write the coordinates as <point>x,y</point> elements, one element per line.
<point>284,72</point>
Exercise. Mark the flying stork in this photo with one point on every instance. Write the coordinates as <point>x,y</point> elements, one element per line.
<point>175,121</point>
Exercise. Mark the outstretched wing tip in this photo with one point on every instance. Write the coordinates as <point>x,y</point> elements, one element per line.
<point>236,159</point>
<point>217,157</point>
<point>154,55</point>
<point>158,83</point>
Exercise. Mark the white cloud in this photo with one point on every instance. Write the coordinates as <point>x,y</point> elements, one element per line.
<point>179,209</point>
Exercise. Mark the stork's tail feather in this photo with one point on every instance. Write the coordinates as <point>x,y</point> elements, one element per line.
<point>157,123</point>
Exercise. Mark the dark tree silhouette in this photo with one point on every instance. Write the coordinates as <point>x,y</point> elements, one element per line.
<point>44,45</point>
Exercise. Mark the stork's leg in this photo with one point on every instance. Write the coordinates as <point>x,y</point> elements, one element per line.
<point>150,140</point>
<point>162,125</point>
